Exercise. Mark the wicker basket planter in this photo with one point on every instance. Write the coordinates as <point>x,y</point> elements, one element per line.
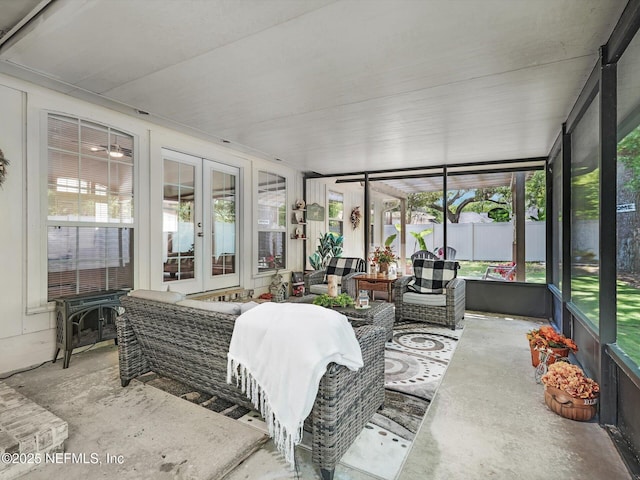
<point>580,409</point>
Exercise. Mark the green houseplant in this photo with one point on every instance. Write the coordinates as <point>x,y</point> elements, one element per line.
<point>330,246</point>
<point>342,300</point>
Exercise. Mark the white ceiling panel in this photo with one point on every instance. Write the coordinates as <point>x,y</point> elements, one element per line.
<point>333,86</point>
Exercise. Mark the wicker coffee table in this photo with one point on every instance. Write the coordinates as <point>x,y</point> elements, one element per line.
<point>379,313</point>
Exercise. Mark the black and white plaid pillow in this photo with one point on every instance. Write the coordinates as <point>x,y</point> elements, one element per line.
<point>431,276</point>
<point>342,266</point>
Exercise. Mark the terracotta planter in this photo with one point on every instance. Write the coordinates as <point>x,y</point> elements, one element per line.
<point>560,402</point>
<point>557,353</point>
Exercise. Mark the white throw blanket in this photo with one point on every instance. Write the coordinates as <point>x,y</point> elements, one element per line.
<point>278,354</point>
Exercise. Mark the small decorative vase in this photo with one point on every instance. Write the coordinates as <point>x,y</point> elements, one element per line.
<point>557,353</point>
<point>560,402</point>
<point>384,268</point>
<point>332,281</point>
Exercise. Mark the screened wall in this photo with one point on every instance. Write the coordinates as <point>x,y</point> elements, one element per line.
<point>595,231</point>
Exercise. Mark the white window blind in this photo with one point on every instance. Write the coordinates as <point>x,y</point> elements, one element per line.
<point>272,221</point>
<point>336,212</point>
<point>90,207</point>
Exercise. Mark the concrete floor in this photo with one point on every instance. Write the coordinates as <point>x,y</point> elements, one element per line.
<point>487,420</point>
<point>138,432</point>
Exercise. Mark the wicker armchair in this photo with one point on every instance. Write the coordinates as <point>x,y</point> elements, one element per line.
<point>345,267</point>
<point>191,345</point>
<point>444,309</point>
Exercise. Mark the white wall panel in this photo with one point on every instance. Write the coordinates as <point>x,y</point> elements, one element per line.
<point>12,212</point>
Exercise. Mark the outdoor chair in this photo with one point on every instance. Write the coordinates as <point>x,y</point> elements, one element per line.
<point>505,272</point>
<point>344,267</point>
<point>433,294</point>
<point>451,253</point>
<point>424,254</point>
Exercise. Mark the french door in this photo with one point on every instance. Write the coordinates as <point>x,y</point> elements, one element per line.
<point>199,223</point>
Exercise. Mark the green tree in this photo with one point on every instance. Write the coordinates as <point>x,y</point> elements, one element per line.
<point>585,195</point>
<point>629,155</point>
<point>476,200</point>
<point>535,194</point>
<point>479,200</point>
<point>225,210</point>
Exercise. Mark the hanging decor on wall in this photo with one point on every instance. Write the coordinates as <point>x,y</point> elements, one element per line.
<point>3,167</point>
<point>315,212</point>
<point>355,217</point>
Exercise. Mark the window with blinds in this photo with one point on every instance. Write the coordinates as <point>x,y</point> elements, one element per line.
<point>90,207</point>
<point>272,225</point>
<point>336,212</point>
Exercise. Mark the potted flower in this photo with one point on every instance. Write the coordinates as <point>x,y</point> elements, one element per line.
<point>383,257</point>
<point>569,393</point>
<point>553,344</point>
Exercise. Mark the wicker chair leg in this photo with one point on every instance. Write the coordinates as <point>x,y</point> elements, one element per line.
<point>327,474</point>
<point>124,382</point>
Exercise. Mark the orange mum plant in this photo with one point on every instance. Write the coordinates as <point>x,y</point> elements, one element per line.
<point>546,336</point>
<point>571,380</point>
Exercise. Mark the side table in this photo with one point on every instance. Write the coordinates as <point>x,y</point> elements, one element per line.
<point>376,283</point>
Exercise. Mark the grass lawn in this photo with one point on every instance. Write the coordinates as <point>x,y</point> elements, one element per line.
<point>535,271</point>
<point>585,290</point>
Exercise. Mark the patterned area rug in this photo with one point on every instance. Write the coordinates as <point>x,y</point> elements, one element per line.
<point>415,361</point>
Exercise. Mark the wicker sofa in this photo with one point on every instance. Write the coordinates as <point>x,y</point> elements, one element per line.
<point>191,345</point>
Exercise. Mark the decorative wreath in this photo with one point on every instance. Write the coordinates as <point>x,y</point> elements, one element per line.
<point>355,217</point>
<point>3,164</point>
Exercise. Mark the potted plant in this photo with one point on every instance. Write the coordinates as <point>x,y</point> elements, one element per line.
<point>383,257</point>
<point>569,393</point>
<point>553,344</point>
<point>330,245</point>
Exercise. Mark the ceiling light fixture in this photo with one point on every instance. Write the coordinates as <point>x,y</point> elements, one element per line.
<point>115,151</point>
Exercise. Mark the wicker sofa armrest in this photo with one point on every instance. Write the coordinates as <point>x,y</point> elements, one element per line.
<point>349,284</point>
<point>456,300</point>
<point>347,400</point>
<point>455,287</point>
<point>314,278</point>
<point>400,286</point>
<point>131,359</point>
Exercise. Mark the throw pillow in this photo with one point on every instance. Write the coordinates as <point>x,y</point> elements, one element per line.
<point>157,296</point>
<point>432,276</point>
<point>342,266</point>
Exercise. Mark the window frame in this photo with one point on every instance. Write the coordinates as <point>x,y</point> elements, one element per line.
<point>335,219</point>
<point>43,214</point>
<point>257,271</point>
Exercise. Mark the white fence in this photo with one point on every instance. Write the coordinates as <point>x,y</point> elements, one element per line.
<point>491,242</point>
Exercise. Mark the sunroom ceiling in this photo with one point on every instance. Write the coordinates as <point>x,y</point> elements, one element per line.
<point>328,86</point>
